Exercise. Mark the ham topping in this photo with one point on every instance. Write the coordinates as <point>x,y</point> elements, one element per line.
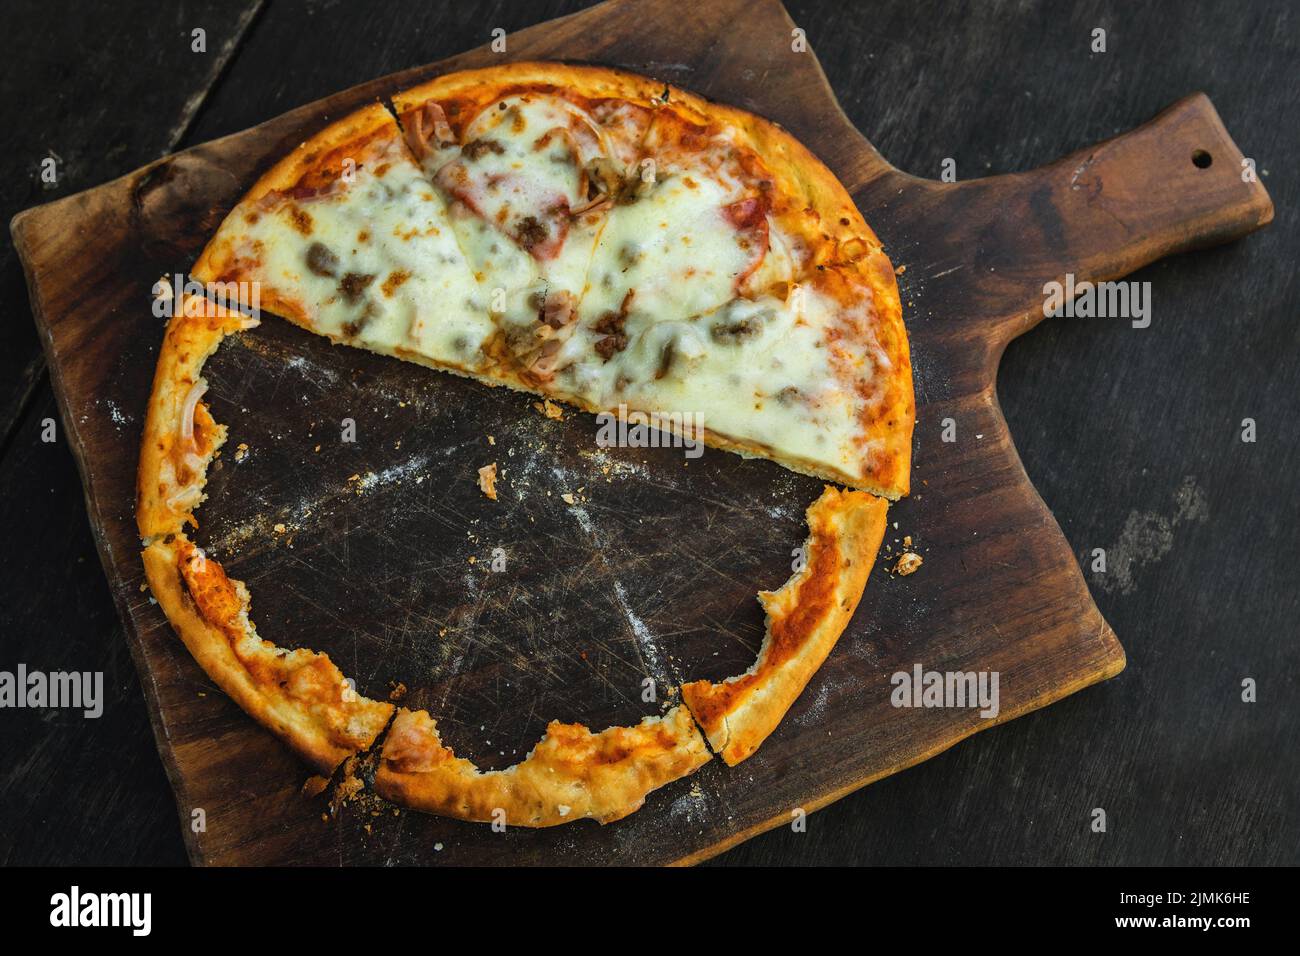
<point>426,130</point>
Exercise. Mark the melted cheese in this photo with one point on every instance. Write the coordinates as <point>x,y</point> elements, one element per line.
<point>758,371</point>
<point>678,308</point>
<point>674,248</point>
<point>375,261</point>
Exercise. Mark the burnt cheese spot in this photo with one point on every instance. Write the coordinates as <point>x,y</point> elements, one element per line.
<point>354,284</point>
<point>301,220</point>
<point>321,261</point>
<point>476,148</point>
<point>532,232</point>
<point>395,279</point>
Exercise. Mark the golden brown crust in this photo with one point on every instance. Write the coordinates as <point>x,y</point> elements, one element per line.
<point>299,695</point>
<point>572,774</point>
<point>487,84</point>
<point>172,469</point>
<point>804,620</point>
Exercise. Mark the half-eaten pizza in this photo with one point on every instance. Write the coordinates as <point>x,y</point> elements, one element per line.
<point>595,238</point>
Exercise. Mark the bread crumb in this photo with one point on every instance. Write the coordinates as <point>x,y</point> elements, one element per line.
<point>549,409</point>
<point>900,270</point>
<point>487,480</point>
<point>567,498</point>
<point>241,451</point>
<point>279,529</point>
<point>314,786</point>
<point>908,562</point>
<point>348,787</point>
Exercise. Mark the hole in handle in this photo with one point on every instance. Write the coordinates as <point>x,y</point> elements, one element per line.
<point>1201,159</point>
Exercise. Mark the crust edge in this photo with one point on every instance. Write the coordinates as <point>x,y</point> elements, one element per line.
<point>571,774</point>
<point>816,603</point>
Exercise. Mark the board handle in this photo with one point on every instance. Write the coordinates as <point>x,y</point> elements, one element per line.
<point>994,245</point>
<point>1176,183</point>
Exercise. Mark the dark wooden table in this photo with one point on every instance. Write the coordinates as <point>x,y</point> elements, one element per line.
<point>1133,436</point>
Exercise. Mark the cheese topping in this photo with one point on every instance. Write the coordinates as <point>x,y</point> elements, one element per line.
<point>603,257</point>
<point>374,261</point>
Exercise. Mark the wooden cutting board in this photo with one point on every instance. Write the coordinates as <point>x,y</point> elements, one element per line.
<point>385,560</point>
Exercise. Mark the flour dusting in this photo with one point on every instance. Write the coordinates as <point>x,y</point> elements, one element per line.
<point>393,474</point>
<point>1148,537</point>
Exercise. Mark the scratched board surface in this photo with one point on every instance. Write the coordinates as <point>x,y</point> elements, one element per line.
<point>495,616</point>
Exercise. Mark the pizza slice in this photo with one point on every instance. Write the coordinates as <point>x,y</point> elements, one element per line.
<point>597,238</point>
<point>345,237</point>
<point>527,174</point>
<point>804,620</point>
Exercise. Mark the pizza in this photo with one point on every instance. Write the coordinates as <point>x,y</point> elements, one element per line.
<point>594,238</point>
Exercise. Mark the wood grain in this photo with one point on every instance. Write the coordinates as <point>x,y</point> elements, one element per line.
<point>1000,589</point>
<point>90,136</point>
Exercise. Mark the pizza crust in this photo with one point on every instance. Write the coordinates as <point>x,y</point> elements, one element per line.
<point>302,697</point>
<point>299,695</point>
<point>572,773</point>
<point>172,470</point>
<point>804,620</point>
